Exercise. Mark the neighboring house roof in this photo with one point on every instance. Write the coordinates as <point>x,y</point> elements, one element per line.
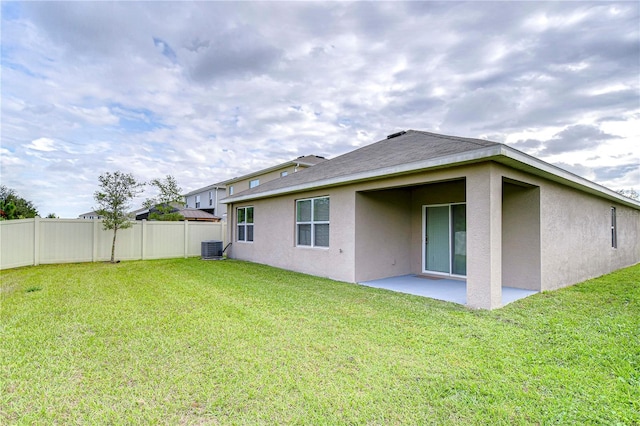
<point>196,214</point>
<point>304,160</point>
<point>138,211</point>
<point>187,213</point>
<point>206,188</point>
<point>93,213</point>
<point>412,151</point>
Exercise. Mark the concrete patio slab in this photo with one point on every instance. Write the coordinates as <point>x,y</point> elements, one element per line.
<point>445,289</point>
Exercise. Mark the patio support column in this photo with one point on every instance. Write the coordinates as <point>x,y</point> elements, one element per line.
<point>484,237</point>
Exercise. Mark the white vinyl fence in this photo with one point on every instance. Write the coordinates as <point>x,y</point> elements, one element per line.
<point>35,241</point>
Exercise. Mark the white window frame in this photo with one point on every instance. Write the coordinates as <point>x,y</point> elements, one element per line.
<point>450,233</point>
<point>283,174</point>
<point>231,190</point>
<point>197,201</point>
<point>245,225</point>
<point>210,198</point>
<point>312,222</point>
<point>253,183</point>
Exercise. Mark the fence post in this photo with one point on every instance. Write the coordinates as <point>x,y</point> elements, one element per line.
<point>36,241</point>
<point>143,240</point>
<point>186,238</point>
<point>94,254</point>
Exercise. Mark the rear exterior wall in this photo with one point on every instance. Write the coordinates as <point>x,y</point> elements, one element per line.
<point>576,236</point>
<point>373,234</point>
<point>376,227</point>
<point>274,235</point>
<point>574,233</point>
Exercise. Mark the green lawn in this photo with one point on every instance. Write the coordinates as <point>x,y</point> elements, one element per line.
<point>185,341</point>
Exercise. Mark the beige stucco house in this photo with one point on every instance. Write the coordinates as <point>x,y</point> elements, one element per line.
<point>443,206</point>
<point>252,180</point>
<point>207,199</point>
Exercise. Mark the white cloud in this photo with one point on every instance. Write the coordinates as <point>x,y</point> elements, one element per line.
<point>209,90</point>
<point>42,144</point>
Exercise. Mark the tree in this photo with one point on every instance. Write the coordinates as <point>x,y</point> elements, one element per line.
<point>169,193</point>
<point>52,216</point>
<point>630,193</point>
<point>13,206</point>
<point>117,189</point>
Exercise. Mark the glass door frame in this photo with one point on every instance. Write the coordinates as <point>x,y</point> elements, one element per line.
<point>423,240</point>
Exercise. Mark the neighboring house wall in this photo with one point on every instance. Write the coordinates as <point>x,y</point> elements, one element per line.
<point>243,184</point>
<point>91,215</point>
<point>211,205</point>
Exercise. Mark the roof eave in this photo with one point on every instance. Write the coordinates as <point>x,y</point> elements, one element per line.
<point>519,160</point>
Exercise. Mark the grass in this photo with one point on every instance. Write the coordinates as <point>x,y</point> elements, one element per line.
<point>184,341</point>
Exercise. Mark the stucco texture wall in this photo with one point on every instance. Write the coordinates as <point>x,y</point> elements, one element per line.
<point>389,227</point>
<point>521,235</point>
<point>383,234</point>
<point>574,233</point>
<point>576,236</point>
<point>275,230</point>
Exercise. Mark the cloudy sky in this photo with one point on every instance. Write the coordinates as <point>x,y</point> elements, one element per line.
<point>207,91</point>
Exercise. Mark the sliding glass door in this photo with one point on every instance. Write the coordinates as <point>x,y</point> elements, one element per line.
<point>445,239</point>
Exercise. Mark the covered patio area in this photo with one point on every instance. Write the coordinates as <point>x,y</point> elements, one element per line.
<point>446,289</point>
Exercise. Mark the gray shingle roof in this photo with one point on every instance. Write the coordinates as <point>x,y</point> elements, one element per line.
<point>408,147</point>
<point>190,213</point>
<point>309,160</point>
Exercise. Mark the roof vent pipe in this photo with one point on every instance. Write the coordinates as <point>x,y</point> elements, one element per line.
<point>395,135</point>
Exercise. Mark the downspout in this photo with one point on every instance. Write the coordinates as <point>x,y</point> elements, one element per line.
<point>215,205</point>
<point>230,226</point>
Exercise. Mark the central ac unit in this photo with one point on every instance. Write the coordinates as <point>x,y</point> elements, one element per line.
<point>211,249</point>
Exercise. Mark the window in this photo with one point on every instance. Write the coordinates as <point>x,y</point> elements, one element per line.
<point>245,224</point>
<point>197,201</point>
<point>210,198</point>
<point>231,190</point>
<point>312,222</point>
<point>254,183</point>
<point>614,230</point>
<point>283,174</point>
